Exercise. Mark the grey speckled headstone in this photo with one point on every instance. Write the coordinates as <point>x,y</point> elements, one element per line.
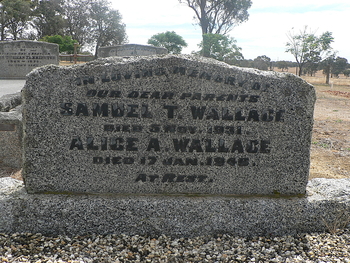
<point>18,58</point>
<point>130,50</point>
<point>166,125</point>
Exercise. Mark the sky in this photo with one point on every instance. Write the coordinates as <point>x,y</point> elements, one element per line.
<point>265,32</point>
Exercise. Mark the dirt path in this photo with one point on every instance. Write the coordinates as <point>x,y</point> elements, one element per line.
<point>330,151</point>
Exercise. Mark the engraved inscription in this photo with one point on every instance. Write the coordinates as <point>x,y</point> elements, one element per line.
<point>226,143</point>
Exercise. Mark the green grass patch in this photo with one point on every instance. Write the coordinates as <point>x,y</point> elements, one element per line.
<point>321,144</point>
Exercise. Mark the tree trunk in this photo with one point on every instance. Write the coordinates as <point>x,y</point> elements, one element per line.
<point>300,70</point>
<point>328,72</point>
<point>204,25</point>
<point>204,19</point>
<point>205,48</point>
<point>2,26</point>
<point>97,47</point>
<point>2,34</point>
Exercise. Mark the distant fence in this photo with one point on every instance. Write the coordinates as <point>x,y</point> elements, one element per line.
<point>79,58</point>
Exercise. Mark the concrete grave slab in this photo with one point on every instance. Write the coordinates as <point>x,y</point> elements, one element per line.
<point>166,125</point>
<point>18,58</point>
<point>325,206</point>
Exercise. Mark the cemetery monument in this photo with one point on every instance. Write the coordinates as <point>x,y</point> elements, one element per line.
<point>168,125</point>
<point>174,145</point>
<point>18,58</point>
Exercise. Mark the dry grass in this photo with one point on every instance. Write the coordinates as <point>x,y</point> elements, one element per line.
<point>334,83</point>
<point>340,222</point>
<point>11,172</point>
<point>320,80</point>
<point>330,151</point>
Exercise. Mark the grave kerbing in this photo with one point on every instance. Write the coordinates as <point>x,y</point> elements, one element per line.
<point>166,125</point>
<point>327,204</point>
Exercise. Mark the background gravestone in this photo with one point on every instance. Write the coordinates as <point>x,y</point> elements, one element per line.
<point>166,125</point>
<point>130,50</point>
<point>11,138</point>
<point>18,58</point>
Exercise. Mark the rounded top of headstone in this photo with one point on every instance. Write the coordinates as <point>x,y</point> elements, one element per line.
<point>192,61</point>
<point>130,50</point>
<point>16,42</point>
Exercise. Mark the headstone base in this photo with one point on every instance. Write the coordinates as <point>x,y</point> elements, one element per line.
<point>327,204</point>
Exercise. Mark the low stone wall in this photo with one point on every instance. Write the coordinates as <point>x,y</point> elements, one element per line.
<point>11,130</point>
<point>326,206</point>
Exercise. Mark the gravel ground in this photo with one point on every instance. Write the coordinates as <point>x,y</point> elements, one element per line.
<point>28,247</point>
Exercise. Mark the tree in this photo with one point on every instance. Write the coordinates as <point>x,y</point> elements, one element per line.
<point>246,63</point>
<point>282,65</point>
<point>262,62</point>
<point>90,22</point>
<point>49,19</point>
<point>18,12</point>
<point>4,21</point>
<point>14,15</point>
<point>311,68</point>
<point>66,43</point>
<point>339,66</point>
<point>307,47</point>
<point>327,65</point>
<point>107,28</point>
<point>218,16</point>
<point>93,22</point>
<point>346,73</point>
<point>221,48</point>
<point>333,66</point>
<point>78,22</point>
<point>169,40</point>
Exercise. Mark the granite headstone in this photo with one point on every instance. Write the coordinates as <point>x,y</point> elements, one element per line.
<point>166,125</point>
<point>130,50</point>
<point>18,58</point>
